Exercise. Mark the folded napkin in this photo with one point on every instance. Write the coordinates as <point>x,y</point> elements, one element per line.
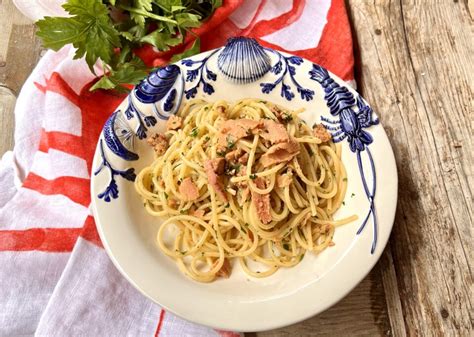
<point>55,277</point>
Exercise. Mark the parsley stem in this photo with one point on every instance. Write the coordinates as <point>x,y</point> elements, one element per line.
<point>149,15</point>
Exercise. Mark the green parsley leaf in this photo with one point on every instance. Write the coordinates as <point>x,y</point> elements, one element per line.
<point>195,49</point>
<point>253,176</point>
<point>110,30</point>
<point>141,6</point>
<point>162,41</point>
<point>187,20</point>
<point>127,73</point>
<point>89,29</point>
<point>230,142</point>
<point>194,132</point>
<point>287,117</point>
<point>286,246</point>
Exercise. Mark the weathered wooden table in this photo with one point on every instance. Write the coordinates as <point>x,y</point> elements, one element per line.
<point>415,65</point>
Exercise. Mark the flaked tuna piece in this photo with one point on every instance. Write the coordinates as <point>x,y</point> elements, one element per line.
<point>221,109</point>
<point>159,142</point>
<point>174,123</point>
<point>321,133</point>
<point>262,202</point>
<point>274,132</point>
<point>234,129</point>
<point>280,153</point>
<point>225,270</point>
<point>237,155</point>
<point>245,193</point>
<point>284,180</point>
<point>234,155</point>
<point>218,165</point>
<point>283,116</point>
<point>189,190</point>
<point>244,158</point>
<point>172,203</point>
<point>211,166</point>
<point>198,213</point>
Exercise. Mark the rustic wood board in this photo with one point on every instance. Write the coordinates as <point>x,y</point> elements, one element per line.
<point>417,72</point>
<point>19,52</point>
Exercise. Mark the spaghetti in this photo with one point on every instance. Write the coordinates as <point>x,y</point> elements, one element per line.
<point>250,182</point>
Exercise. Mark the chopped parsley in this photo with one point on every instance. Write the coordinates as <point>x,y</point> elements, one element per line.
<point>352,195</point>
<point>227,206</point>
<point>301,257</point>
<point>230,143</point>
<point>264,102</point>
<point>287,117</point>
<point>344,179</point>
<point>344,203</point>
<point>166,195</point>
<point>194,132</point>
<point>207,138</point>
<point>286,246</point>
<point>183,211</point>
<point>184,252</point>
<point>221,153</point>
<point>232,169</point>
<point>253,176</point>
<point>311,153</point>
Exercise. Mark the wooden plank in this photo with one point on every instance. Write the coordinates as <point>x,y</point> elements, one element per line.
<point>19,47</point>
<point>7,103</point>
<point>361,313</point>
<point>19,53</point>
<point>392,295</point>
<point>417,73</point>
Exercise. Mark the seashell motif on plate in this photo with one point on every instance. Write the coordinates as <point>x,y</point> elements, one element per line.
<point>157,84</point>
<point>243,60</point>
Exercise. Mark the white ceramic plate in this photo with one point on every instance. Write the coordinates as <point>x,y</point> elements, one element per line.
<point>242,303</point>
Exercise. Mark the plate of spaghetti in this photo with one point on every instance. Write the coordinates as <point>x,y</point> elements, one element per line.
<point>241,182</point>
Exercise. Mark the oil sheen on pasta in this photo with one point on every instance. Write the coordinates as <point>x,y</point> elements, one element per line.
<point>247,184</point>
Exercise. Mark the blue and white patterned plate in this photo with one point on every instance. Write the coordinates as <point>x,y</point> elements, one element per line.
<point>244,69</point>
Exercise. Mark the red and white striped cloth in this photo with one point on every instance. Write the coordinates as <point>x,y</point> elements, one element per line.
<point>55,277</point>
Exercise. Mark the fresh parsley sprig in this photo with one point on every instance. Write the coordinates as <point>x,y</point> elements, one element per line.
<point>109,31</point>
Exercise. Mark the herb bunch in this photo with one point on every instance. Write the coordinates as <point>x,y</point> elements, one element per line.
<point>109,31</point>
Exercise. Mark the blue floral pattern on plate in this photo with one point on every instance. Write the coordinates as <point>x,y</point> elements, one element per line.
<point>111,191</point>
<point>285,68</point>
<point>202,73</point>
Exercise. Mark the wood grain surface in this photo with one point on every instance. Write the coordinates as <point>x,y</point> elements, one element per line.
<point>19,52</point>
<point>414,64</point>
<point>416,70</point>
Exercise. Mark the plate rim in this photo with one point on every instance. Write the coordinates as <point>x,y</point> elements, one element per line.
<point>277,323</point>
